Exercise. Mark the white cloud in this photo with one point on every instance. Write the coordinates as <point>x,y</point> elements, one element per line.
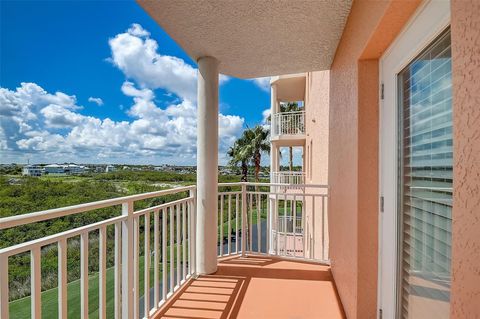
<point>138,31</point>
<point>48,125</point>
<point>263,83</point>
<point>96,100</point>
<point>60,131</point>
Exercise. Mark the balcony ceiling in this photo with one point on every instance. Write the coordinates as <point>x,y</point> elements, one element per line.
<point>290,87</point>
<point>255,38</point>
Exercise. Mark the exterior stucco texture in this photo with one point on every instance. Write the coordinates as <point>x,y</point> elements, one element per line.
<point>465,28</point>
<point>353,150</point>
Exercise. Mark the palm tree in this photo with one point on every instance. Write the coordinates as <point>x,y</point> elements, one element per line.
<point>249,147</point>
<point>237,156</point>
<point>256,142</point>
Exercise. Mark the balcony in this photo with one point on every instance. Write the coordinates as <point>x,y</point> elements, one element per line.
<point>288,126</point>
<point>267,257</point>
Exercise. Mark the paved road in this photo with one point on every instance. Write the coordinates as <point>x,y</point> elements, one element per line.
<point>263,246</point>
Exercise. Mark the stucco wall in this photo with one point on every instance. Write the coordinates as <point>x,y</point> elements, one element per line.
<point>353,150</point>
<point>465,28</point>
<point>316,155</point>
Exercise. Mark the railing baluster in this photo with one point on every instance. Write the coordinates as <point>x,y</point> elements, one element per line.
<point>164,253</point>
<point>184,242</point>
<point>250,225</point>
<point>259,226</point>
<point>193,194</point>
<point>84,275</point>
<point>36,282</point>
<point>304,228</point>
<point>4,291</point>
<point>323,227</point>
<point>221,225</point>
<point>294,225</point>
<point>178,244</point>
<point>136,266</point>
<point>102,273</point>
<point>285,227</point>
<point>244,219</point>
<point>313,227</point>
<point>127,261</point>
<point>229,223</point>
<point>268,225</point>
<point>277,225</point>
<point>62,278</point>
<point>189,237</point>
<point>117,271</point>
<point>172,259</point>
<point>156,260</point>
<point>146,267</point>
<point>236,223</point>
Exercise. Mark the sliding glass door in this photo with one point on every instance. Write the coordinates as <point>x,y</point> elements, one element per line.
<point>424,181</point>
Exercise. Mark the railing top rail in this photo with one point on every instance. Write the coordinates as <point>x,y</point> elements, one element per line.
<point>12,221</point>
<point>162,206</point>
<point>44,241</point>
<point>273,184</point>
<point>288,113</point>
<point>289,173</point>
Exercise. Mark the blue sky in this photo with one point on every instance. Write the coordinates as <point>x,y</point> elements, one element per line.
<point>102,83</point>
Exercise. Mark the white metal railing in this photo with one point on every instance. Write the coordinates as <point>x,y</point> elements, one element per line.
<point>173,253</point>
<point>288,123</point>
<point>255,218</point>
<point>288,177</point>
<point>263,218</point>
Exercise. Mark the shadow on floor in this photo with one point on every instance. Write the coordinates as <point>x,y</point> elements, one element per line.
<point>230,292</point>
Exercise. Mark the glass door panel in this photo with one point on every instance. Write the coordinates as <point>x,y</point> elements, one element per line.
<point>425,182</point>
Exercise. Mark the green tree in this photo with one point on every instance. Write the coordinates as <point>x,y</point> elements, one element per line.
<point>256,142</point>
<point>237,156</point>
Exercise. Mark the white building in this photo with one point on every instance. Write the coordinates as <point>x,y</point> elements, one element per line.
<point>110,168</point>
<point>73,169</point>
<point>33,170</point>
<point>54,169</point>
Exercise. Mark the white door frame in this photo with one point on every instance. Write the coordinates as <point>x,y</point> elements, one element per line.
<point>430,19</point>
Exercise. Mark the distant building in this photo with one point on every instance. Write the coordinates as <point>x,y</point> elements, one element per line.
<point>33,170</point>
<point>99,169</point>
<point>73,169</point>
<point>110,168</point>
<point>54,169</point>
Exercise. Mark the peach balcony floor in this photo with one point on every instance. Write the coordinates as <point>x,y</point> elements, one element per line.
<point>258,287</point>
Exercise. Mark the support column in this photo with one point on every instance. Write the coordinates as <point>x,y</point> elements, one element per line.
<point>273,168</point>
<point>273,110</point>
<point>207,166</point>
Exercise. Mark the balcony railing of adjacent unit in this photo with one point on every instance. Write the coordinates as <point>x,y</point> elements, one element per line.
<point>288,123</point>
<point>252,218</point>
<point>288,177</point>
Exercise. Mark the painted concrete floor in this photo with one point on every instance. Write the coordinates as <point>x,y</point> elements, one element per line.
<point>258,287</point>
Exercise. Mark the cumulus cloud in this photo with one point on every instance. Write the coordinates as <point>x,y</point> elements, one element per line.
<point>60,130</point>
<point>51,125</point>
<point>96,100</point>
<point>263,83</point>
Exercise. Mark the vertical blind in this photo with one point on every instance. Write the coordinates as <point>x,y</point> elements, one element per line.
<point>425,182</point>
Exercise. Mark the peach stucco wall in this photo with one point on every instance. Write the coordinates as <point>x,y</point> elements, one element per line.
<point>353,150</point>
<point>316,126</point>
<point>316,161</point>
<point>465,28</point>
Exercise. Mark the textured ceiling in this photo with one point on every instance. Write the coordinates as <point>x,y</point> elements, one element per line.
<point>255,38</point>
